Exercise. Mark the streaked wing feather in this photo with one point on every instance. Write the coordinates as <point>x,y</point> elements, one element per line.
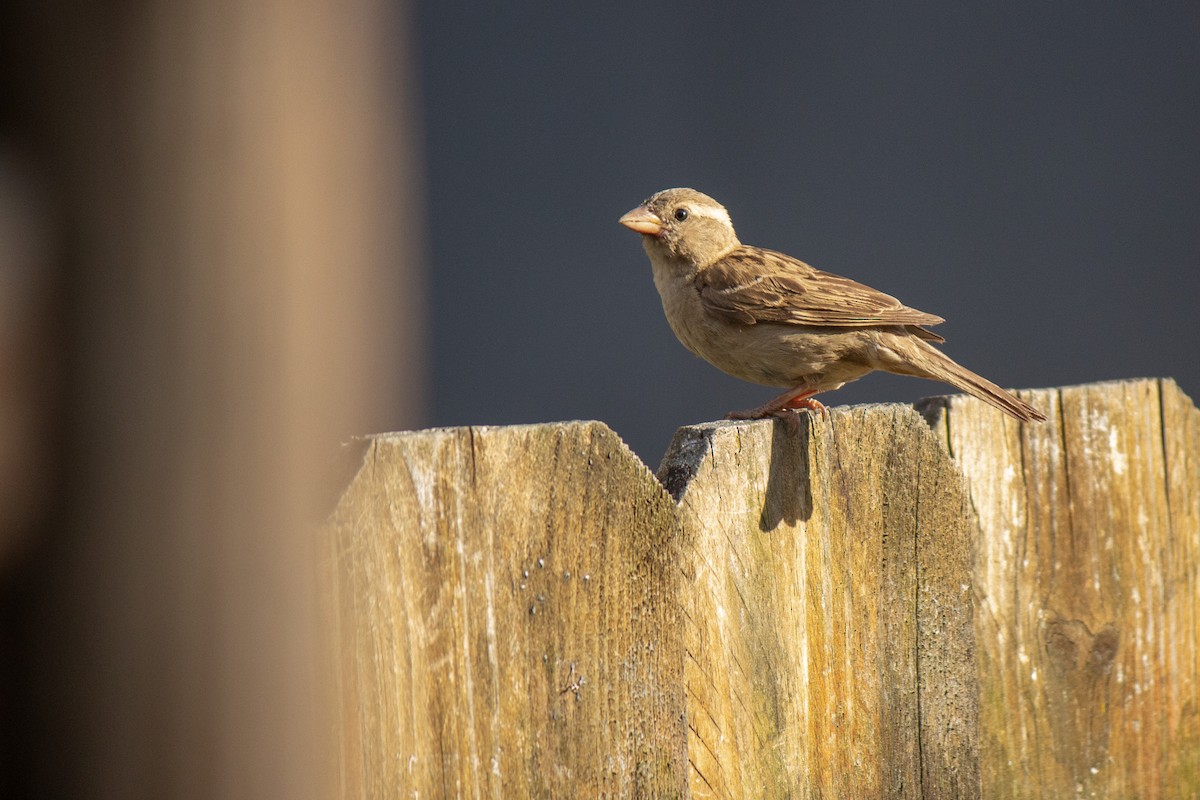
<point>751,285</point>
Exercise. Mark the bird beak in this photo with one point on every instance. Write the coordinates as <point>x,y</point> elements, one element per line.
<point>643,220</point>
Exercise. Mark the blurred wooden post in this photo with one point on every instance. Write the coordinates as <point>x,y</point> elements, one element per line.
<point>237,204</point>
<point>837,612</point>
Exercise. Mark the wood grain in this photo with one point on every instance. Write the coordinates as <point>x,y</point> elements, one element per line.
<point>1086,585</point>
<point>830,643</point>
<point>508,601</point>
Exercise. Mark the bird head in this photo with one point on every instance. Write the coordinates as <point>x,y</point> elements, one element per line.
<point>683,225</point>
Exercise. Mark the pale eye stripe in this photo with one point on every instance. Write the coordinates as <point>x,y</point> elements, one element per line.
<point>713,213</point>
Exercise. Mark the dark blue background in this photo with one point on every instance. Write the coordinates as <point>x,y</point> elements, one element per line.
<point>1029,171</point>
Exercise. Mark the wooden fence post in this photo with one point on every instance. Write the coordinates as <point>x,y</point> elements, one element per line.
<point>830,643</point>
<point>876,605</point>
<point>509,604</point>
<point>1087,590</point>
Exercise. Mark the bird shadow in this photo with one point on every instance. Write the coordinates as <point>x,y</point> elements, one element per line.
<point>788,497</point>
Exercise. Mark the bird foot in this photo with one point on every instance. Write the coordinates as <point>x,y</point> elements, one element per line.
<point>762,412</point>
<point>781,407</point>
<point>788,412</point>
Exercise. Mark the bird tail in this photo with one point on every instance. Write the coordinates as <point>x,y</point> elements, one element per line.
<point>940,367</point>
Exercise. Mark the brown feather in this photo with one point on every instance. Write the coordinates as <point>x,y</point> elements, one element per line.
<point>751,285</point>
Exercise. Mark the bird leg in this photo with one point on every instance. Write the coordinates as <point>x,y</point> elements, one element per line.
<point>796,398</point>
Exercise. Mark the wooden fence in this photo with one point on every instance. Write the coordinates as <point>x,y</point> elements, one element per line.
<point>882,604</point>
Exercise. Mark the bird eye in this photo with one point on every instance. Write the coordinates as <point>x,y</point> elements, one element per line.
<point>681,214</point>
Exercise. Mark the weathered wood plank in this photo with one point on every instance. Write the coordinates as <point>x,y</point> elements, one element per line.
<point>830,640</point>
<point>508,599</point>
<point>1086,583</point>
<point>831,612</point>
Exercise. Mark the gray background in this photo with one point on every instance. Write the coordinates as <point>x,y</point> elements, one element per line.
<point>1028,170</point>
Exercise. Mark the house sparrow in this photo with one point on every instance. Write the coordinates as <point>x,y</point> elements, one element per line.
<point>765,317</point>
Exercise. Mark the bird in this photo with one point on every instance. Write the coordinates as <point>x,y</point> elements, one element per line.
<point>767,318</point>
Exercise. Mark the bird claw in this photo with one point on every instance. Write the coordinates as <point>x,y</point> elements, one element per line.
<point>789,417</point>
<point>786,407</point>
<point>809,404</point>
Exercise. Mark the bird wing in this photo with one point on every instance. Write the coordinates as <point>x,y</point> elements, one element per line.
<point>752,285</point>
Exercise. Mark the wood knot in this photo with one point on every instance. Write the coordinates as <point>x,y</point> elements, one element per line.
<point>1071,645</point>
